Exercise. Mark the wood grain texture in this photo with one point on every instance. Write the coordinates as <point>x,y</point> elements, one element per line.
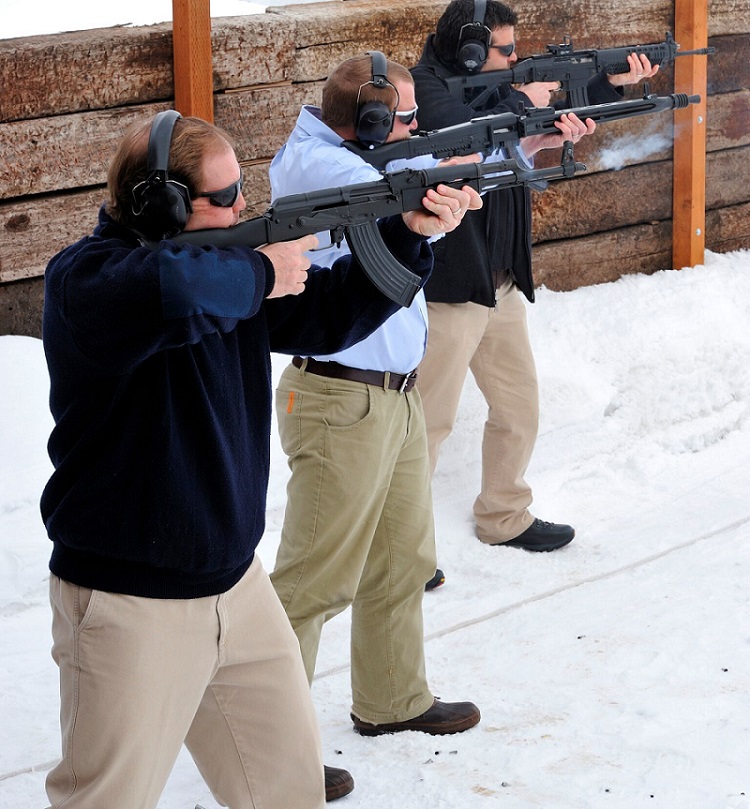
<point>73,151</point>
<point>111,67</point>
<point>645,248</point>
<point>32,230</point>
<point>67,99</point>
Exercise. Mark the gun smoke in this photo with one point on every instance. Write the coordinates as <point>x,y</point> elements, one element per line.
<point>631,149</point>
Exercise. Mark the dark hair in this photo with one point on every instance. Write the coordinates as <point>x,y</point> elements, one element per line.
<point>192,140</point>
<point>460,13</point>
<point>341,88</point>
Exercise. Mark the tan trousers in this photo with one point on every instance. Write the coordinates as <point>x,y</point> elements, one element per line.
<point>494,344</point>
<point>139,676</point>
<point>358,530</point>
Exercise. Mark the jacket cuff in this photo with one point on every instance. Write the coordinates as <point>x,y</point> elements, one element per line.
<point>270,273</point>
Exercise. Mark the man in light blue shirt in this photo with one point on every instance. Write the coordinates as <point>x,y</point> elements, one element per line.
<point>313,158</point>
<point>358,528</point>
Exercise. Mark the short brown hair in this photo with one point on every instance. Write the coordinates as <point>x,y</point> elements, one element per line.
<point>341,88</point>
<point>192,139</point>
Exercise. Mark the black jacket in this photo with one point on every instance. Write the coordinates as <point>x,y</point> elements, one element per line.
<point>496,238</point>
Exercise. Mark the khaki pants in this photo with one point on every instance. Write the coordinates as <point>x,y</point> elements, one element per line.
<point>139,676</point>
<point>358,530</point>
<point>494,344</point>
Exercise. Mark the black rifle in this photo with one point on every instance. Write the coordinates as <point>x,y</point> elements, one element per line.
<point>573,69</point>
<point>490,132</point>
<point>353,211</point>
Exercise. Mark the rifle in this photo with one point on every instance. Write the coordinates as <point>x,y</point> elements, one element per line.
<point>491,132</point>
<point>573,69</point>
<point>353,211</point>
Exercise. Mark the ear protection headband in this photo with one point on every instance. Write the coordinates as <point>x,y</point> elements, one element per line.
<point>474,41</point>
<point>161,207</point>
<point>374,120</point>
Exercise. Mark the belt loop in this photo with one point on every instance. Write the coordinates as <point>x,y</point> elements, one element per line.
<point>402,386</point>
<point>300,363</point>
<point>386,380</point>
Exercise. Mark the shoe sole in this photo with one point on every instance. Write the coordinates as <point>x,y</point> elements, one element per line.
<point>444,729</point>
<point>551,546</point>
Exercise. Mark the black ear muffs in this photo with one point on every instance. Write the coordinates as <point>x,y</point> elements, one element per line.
<point>474,41</point>
<point>161,207</point>
<point>374,120</point>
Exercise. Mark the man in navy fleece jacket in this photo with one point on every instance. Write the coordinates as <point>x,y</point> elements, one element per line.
<point>165,626</point>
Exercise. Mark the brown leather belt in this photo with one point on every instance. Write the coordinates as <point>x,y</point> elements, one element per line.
<point>403,383</point>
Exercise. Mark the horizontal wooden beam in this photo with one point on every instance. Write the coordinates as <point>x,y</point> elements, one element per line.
<point>300,43</point>
<point>73,151</point>
<point>34,228</point>
<point>605,257</point>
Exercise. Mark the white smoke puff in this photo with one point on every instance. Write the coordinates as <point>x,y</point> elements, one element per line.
<point>631,149</point>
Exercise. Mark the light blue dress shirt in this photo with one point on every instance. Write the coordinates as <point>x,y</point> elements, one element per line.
<point>312,159</point>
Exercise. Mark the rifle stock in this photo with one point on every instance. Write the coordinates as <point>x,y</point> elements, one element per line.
<point>353,211</point>
<point>573,69</point>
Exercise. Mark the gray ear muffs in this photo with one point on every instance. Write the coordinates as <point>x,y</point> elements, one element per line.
<point>374,118</point>
<point>474,41</point>
<point>161,207</point>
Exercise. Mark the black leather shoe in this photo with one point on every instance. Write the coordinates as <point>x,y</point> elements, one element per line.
<point>338,783</point>
<point>542,536</point>
<point>436,580</point>
<point>442,718</point>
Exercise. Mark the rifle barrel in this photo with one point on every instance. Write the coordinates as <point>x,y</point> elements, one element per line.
<point>682,100</point>
<point>698,52</point>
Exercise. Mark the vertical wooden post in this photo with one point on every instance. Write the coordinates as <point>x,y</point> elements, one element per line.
<point>193,67</point>
<point>689,187</point>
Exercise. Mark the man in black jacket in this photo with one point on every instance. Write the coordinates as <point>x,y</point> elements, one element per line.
<point>166,628</point>
<point>477,320</point>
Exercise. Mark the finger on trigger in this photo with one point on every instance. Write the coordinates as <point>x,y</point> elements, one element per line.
<point>305,243</point>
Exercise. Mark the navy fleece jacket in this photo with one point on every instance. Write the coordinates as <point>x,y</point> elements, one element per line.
<point>160,373</point>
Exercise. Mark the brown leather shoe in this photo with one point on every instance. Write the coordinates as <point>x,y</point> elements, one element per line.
<point>442,718</point>
<point>338,783</point>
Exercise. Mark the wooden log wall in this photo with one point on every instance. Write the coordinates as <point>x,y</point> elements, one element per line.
<point>68,98</point>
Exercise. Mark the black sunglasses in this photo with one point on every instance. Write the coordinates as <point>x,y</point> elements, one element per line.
<point>226,197</point>
<point>406,117</point>
<point>505,50</point>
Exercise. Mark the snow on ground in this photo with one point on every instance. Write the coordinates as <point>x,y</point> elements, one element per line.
<point>612,674</point>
